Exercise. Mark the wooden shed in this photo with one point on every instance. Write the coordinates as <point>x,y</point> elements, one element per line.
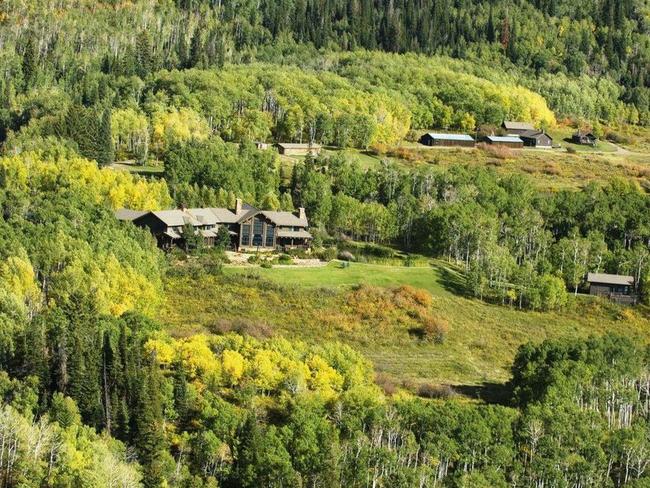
<point>517,128</point>
<point>513,142</point>
<point>450,140</point>
<point>536,138</point>
<point>618,288</point>
<point>585,138</point>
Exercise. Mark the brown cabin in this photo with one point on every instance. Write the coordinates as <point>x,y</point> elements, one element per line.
<point>536,138</point>
<point>448,140</point>
<point>513,142</point>
<point>516,128</point>
<point>618,288</point>
<point>584,138</point>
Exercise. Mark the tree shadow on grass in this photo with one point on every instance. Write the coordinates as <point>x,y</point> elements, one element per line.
<point>453,281</point>
<point>492,393</point>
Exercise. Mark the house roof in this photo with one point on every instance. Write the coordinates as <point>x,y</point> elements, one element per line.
<point>176,218</point>
<point>294,145</point>
<point>199,217</point>
<point>610,279</point>
<point>204,215</point>
<point>451,137</point>
<point>300,234</point>
<point>534,134</point>
<point>172,233</point>
<point>504,139</point>
<point>128,214</point>
<point>581,133</point>
<point>223,215</point>
<point>285,219</point>
<point>510,125</point>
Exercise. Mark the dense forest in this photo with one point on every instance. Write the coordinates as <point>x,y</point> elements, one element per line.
<point>96,391</point>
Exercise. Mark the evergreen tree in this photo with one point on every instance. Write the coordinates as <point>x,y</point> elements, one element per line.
<point>105,147</point>
<point>30,62</point>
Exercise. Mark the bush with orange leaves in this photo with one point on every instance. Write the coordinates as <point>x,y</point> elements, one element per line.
<point>435,329</point>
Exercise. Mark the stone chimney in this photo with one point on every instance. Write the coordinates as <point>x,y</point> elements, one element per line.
<point>301,213</point>
<point>238,206</point>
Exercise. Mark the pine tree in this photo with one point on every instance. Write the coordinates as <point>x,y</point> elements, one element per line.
<point>30,62</point>
<point>105,147</point>
<point>491,33</point>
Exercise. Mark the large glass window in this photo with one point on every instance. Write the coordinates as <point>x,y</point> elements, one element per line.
<point>245,234</point>
<point>258,231</point>
<point>270,232</point>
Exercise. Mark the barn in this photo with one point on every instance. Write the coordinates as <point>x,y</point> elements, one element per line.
<point>516,128</point>
<point>536,138</point>
<point>513,142</point>
<point>449,140</point>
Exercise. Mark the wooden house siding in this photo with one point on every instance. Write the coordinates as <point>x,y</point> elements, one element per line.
<point>429,140</point>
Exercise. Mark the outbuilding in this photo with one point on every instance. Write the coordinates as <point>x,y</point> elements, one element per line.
<point>584,138</point>
<point>618,288</point>
<point>450,140</point>
<point>513,142</point>
<point>536,138</point>
<point>517,128</point>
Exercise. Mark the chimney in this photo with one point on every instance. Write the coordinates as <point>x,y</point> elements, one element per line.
<point>301,213</point>
<point>238,205</point>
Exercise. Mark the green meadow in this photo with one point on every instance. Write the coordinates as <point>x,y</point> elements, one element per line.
<point>371,307</point>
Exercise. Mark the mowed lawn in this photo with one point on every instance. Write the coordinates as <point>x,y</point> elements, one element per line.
<point>321,304</point>
<point>336,275</point>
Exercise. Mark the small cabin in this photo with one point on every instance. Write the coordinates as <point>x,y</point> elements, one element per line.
<point>536,138</point>
<point>618,288</point>
<point>447,140</point>
<point>584,138</point>
<point>295,149</point>
<point>516,128</point>
<point>513,142</point>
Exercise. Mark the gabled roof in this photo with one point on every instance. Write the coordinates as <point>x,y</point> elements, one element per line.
<point>287,219</point>
<point>510,125</point>
<point>223,215</point>
<point>534,134</point>
<point>176,218</point>
<point>203,215</point>
<point>504,139</point>
<point>610,279</point>
<point>451,137</point>
<point>126,214</point>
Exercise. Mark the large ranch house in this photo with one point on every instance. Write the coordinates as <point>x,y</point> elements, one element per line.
<point>250,229</point>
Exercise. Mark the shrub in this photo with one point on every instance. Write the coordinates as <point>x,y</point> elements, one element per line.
<point>326,254</point>
<point>266,265</point>
<point>257,329</point>
<point>346,256</point>
<point>429,390</point>
<point>386,384</point>
<point>285,259</point>
<point>435,329</point>
<point>571,150</point>
<point>552,169</point>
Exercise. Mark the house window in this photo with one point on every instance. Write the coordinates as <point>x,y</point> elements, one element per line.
<point>258,231</point>
<point>270,232</point>
<point>245,234</point>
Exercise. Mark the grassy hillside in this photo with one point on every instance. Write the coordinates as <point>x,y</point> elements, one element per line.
<point>381,319</point>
